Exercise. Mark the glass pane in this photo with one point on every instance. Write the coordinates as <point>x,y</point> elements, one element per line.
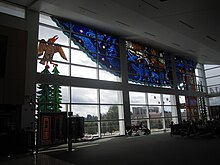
<point>138,112</point>
<point>90,129</point>
<point>110,97</point>
<point>108,49</point>
<point>106,75</point>
<point>84,43</point>
<point>62,68</point>
<point>47,33</point>
<point>82,58</point>
<point>109,63</point>
<point>156,124</point>
<point>214,89</point>
<point>84,72</point>
<point>65,94</point>
<point>89,112</point>
<point>137,98</point>
<point>155,111</point>
<point>167,122</point>
<point>136,79</point>
<point>110,128</point>
<point>214,101</point>
<point>213,81</point>
<point>83,30</point>
<point>58,57</point>
<point>182,99</point>
<point>169,100</point>
<point>154,99</point>
<point>47,20</point>
<point>111,112</point>
<point>212,72</point>
<point>107,38</point>
<point>183,112</point>
<point>170,111</point>
<point>83,95</point>
<point>210,66</point>
<point>65,107</point>
<point>167,111</point>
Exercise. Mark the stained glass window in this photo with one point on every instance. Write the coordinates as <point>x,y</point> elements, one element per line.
<point>148,66</point>
<point>185,71</point>
<point>93,52</point>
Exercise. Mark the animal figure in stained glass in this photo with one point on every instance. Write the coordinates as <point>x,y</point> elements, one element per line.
<point>48,49</point>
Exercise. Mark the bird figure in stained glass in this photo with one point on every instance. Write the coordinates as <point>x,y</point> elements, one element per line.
<point>48,49</point>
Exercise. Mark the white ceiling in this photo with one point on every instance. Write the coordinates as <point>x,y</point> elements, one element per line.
<point>183,27</point>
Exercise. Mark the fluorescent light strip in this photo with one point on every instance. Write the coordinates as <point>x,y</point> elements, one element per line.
<point>190,50</point>
<point>150,34</point>
<point>90,11</point>
<point>209,37</point>
<point>122,23</point>
<point>186,24</point>
<point>176,44</point>
<point>151,5</point>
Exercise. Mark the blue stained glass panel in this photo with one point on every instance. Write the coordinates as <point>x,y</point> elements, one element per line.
<point>131,56</point>
<point>136,68</point>
<point>109,63</point>
<point>108,49</point>
<point>168,64</point>
<point>163,75</point>
<point>165,55</point>
<point>83,30</point>
<point>136,78</point>
<point>62,23</point>
<point>85,43</point>
<point>107,38</point>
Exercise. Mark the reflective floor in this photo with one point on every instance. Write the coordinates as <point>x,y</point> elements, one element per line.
<point>154,149</point>
<point>40,159</point>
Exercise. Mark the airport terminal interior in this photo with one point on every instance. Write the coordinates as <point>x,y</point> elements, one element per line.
<point>109,82</point>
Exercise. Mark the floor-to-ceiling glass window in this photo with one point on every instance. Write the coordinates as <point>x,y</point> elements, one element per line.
<point>212,73</point>
<point>155,111</point>
<point>68,50</point>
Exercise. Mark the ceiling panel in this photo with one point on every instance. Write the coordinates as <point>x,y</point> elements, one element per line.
<point>189,27</point>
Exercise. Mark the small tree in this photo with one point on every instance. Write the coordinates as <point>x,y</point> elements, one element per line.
<point>56,93</point>
<point>44,95</point>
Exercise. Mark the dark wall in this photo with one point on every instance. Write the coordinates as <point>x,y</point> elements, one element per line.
<point>13,64</point>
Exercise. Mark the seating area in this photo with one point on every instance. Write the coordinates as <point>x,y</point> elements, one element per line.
<point>199,128</point>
